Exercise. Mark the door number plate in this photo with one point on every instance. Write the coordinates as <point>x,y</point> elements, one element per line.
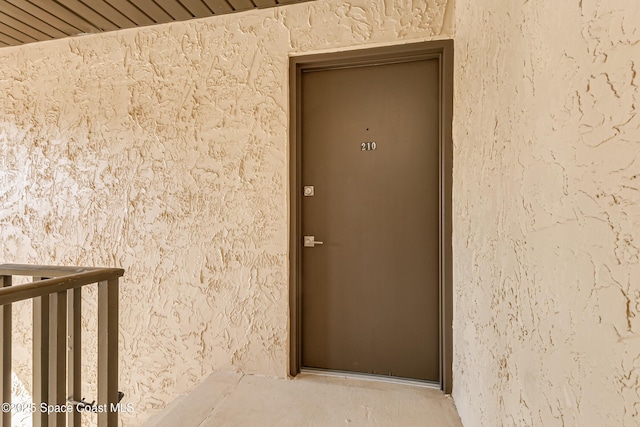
<point>368,146</point>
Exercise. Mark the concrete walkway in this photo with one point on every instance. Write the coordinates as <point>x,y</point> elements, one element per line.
<point>227,399</point>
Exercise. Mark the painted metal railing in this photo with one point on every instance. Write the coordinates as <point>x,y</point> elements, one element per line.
<point>57,297</point>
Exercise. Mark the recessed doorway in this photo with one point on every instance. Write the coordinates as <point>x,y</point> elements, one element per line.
<point>371,212</point>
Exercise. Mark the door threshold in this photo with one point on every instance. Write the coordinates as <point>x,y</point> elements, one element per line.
<point>371,377</point>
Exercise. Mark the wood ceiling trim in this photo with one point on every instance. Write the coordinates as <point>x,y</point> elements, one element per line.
<point>88,14</point>
<point>131,12</point>
<point>197,8</point>
<point>15,34</point>
<point>154,11</point>
<point>241,4</point>
<point>219,7</point>
<point>67,16</point>
<point>30,20</point>
<point>23,28</point>
<point>10,41</point>
<point>112,14</point>
<point>44,16</point>
<point>264,3</point>
<point>175,9</point>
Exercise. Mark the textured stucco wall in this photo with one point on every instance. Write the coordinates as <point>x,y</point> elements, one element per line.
<point>547,213</point>
<point>164,151</point>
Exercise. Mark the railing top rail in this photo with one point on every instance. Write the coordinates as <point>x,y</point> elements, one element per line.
<point>74,277</point>
<point>41,270</point>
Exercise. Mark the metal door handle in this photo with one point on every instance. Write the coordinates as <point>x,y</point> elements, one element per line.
<point>310,241</point>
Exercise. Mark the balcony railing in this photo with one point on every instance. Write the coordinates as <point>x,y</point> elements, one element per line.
<point>57,297</point>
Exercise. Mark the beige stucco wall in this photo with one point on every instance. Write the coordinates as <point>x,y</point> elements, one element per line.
<point>164,151</point>
<point>547,213</point>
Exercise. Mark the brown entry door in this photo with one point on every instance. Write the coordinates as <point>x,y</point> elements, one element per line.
<point>370,150</point>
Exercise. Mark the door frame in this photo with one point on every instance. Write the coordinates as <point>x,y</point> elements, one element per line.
<point>442,50</point>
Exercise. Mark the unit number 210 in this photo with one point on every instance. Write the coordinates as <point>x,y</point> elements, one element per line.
<point>368,146</point>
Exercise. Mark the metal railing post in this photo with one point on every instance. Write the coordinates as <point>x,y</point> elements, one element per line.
<point>5,357</point>
<point>74,352</point>
<point>108,352</point>
<point>40,357</point>
<point>57,356</point>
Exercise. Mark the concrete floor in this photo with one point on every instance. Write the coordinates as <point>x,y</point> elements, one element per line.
<point>227,399</point>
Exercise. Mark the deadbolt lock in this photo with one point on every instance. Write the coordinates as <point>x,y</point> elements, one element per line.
<point>308,190</point>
